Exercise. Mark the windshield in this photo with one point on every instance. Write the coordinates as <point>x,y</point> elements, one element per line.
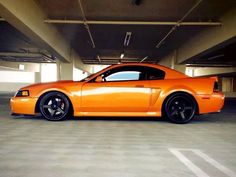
<point>91,75</point>
<point>87,78</point>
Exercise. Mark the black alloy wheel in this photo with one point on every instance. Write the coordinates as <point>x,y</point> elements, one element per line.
<point>54,106</point>
<point>180,108</point>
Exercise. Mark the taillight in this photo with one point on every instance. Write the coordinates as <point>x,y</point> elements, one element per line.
<point>216,87</point>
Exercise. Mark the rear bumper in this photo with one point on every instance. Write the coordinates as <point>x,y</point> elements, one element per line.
<point>23,105</point>
<point>210,103</point>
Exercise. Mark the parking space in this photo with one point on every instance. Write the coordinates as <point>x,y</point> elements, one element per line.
<point>32,146</point>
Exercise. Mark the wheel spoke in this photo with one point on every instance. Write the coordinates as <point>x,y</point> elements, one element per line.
<point>174,112</point>
<point>46,106</point>
<point>182,115</point>
<point>52,112</point>
<point>188,108</point>
<point>60,110</point>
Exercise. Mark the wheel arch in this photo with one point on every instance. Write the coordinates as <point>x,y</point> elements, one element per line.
<point>71,111</point>
<point>179,92</point>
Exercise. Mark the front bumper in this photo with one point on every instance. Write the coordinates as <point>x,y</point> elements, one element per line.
<point>210,103</point>
<point>23,105</point>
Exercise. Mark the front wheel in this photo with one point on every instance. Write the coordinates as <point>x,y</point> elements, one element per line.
<point>180,108</point>
<point>54,106</point>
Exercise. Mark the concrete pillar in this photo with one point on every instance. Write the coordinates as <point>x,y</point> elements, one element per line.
<point>180,68</point>
<point>37,77</point>
<point>58,70</point>
<point>171,62</point>
<point>65,71</point>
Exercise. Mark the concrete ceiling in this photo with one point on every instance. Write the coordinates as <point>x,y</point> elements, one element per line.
<point>158,10</point>
<point>109,39</point>
<point>16,47</point>
<point>223,54</point>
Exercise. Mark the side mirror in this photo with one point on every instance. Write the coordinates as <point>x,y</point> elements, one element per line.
<point>99,79</point>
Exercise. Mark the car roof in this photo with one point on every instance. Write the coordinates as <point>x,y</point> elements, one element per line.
<point>170,73</point>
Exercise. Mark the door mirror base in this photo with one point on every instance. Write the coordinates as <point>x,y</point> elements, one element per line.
<point>99,79</point>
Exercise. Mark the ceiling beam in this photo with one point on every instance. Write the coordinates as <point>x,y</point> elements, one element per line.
<point>28,18</point>
<point>31,25</point>
<point>101,22</point>
<point>18,54</point>
<point>205,41</point>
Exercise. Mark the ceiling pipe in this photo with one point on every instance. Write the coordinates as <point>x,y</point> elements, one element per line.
<point>86,25</point>
<point>101,22</point>
<point>144,59</point>
<point>99,59</point>
<point>178,24</point>
<point>18,55</point>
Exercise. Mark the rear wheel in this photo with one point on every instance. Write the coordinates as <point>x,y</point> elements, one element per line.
<point>54,106</point>
<point>180,108</point>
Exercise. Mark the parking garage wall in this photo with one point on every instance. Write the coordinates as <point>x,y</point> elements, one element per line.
<point>11,81</point>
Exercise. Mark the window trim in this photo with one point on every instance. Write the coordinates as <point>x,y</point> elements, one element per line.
<point>93,79</point>
<point>133,72</point>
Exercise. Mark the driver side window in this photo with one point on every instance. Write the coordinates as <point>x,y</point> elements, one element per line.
<point>131,73</point>
<point>123,76</point>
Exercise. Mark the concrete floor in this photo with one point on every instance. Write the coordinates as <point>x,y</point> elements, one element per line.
<point>117,148</point>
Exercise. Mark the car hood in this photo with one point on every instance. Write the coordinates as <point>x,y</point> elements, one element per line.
<point>65,86</point>
<point>50,83</point>
<point>45,84</point>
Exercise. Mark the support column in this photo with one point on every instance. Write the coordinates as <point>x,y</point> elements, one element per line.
<point>171,62</point>
<point>65,71</point>
<point>37,76</point>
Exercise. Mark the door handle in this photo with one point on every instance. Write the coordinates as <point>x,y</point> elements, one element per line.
<point>140,86</point>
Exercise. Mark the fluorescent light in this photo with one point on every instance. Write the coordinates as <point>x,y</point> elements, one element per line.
<point>127,38</point>
<point>122,55</point>
<point>21,67</point>
<point>143,59</point>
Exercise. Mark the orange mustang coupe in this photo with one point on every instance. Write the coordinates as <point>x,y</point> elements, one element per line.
<point>132,89</point>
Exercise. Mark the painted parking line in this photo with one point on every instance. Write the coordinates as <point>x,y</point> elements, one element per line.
<point>195,169</point>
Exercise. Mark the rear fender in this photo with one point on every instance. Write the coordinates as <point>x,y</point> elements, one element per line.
<point>165,93</point>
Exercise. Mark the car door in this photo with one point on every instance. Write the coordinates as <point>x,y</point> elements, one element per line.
<point>122,89</point>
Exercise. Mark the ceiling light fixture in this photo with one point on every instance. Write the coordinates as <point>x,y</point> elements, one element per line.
<point>143,59</point>
<point>122,55</point>
<point>21,67</point>
<point>136,2</point>
<point>127,38</point>
<point>215,57</point>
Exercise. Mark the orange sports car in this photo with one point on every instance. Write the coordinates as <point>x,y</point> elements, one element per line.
<point>132,89</point>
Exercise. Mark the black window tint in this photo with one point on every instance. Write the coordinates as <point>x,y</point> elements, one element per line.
<point>155,74</point>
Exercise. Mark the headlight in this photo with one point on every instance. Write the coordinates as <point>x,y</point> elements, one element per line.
<point>22,93</point>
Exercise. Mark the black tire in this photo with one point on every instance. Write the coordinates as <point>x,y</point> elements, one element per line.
<point>180,108</point>
<point>54,106</point>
